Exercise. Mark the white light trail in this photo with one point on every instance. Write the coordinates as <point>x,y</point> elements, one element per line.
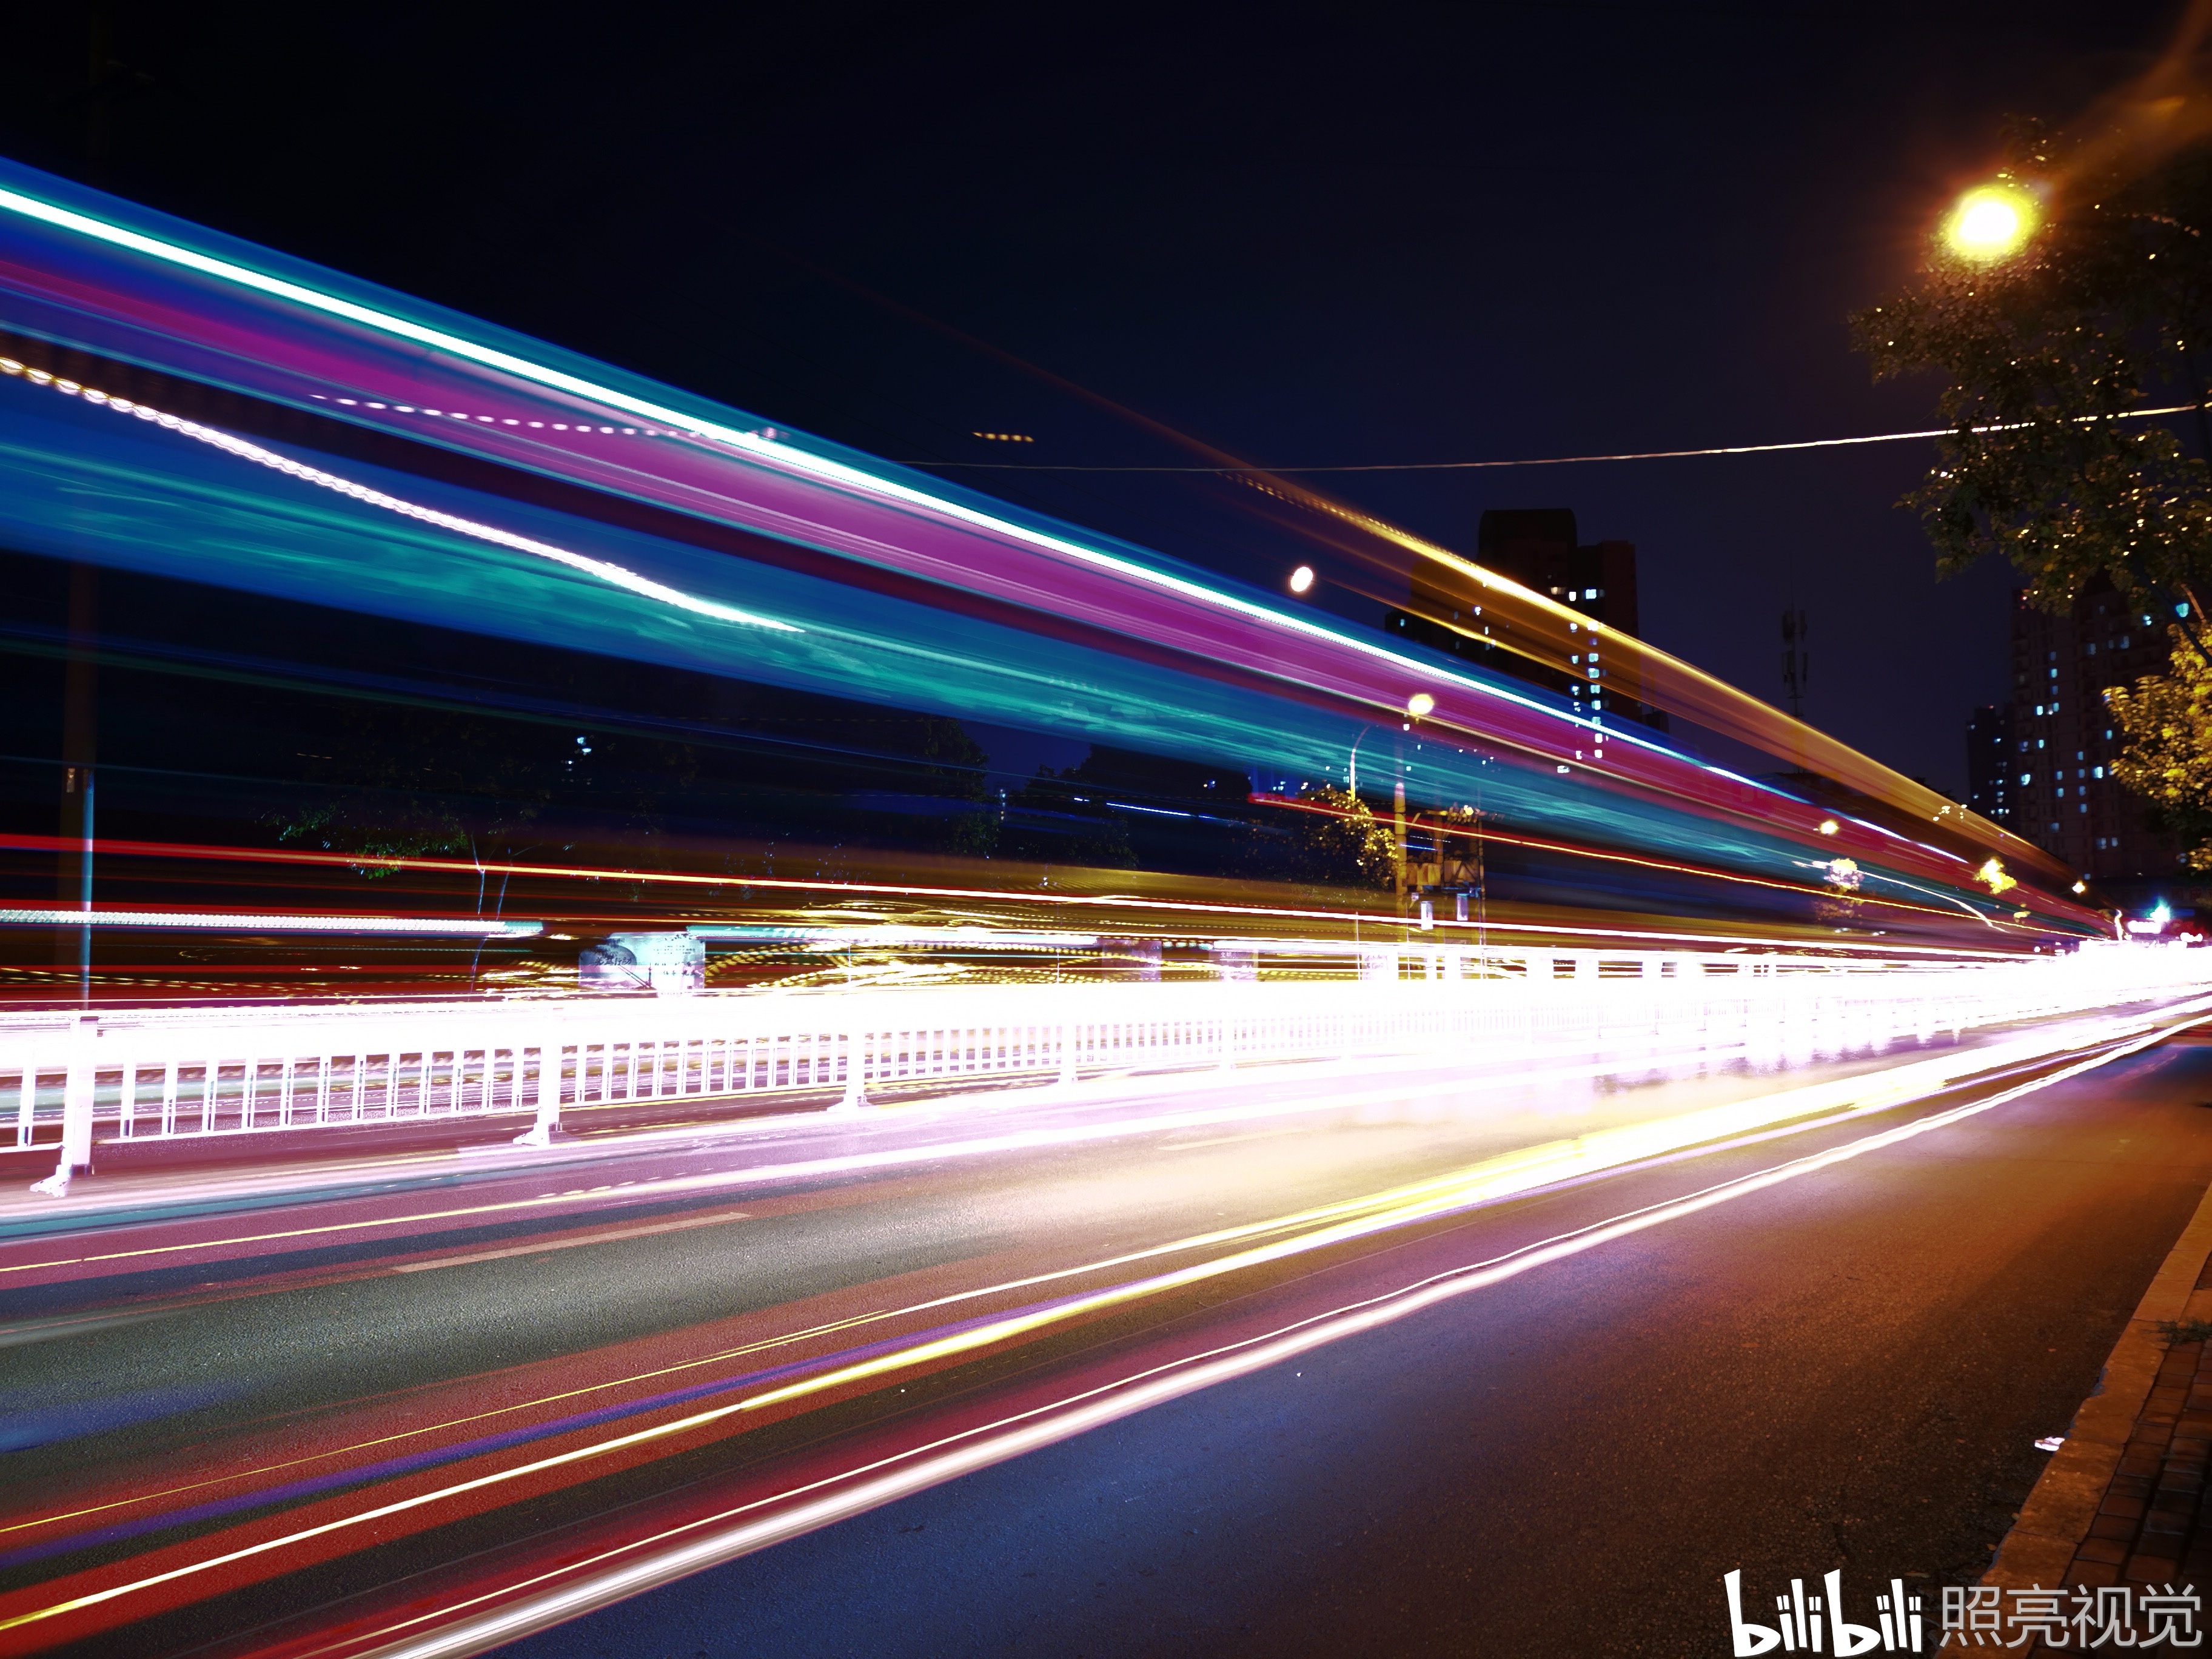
<point>615,574</point>
<point>1009,1437</point>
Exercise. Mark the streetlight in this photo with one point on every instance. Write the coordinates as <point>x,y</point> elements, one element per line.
<point>1302,578</point>
<point>1991,221</point>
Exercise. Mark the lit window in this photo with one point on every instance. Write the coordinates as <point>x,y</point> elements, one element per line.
<point>2096,771</point>
<point>1591,593</point>
<point>2027,777</point>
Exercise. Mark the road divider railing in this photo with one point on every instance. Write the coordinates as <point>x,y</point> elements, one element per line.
<point>75,1081</point>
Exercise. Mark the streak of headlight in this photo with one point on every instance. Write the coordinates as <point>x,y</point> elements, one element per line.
<point>1805,741</point>
<point>857,480</point>
<point>989,1444</point>
<point>792,884</point>
<point>1256,1352</point>
<point>245,923</point>
<point>615,574</point>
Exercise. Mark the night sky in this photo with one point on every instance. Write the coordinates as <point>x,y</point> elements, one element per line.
<point>1425,233</point>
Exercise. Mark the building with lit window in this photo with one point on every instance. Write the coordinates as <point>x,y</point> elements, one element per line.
<point>1539,548</point>
<point>1989,768</point>
<point>2061,740</point>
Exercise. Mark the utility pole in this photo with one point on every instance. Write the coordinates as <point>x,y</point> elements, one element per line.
<point>81,671</point>
<point>80,746</point>
<point>1398,842</point>
<point>1797,661</point>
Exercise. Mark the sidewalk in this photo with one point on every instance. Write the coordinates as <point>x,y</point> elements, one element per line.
<point>2123,1500</point>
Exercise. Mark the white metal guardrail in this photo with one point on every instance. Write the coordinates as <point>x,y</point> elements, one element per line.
<point>195,1074</point>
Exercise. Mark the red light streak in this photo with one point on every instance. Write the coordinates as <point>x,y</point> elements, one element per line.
<point>895,890</point>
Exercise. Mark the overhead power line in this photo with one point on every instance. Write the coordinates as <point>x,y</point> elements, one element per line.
<point>1545,460</point>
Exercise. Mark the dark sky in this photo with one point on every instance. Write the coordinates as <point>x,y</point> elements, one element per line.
<point>1418,232</point>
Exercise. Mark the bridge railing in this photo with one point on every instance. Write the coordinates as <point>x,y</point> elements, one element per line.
<point>173,1075</point>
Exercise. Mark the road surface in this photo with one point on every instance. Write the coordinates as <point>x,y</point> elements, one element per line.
<point>1848,1372</point>
<point>257,1417</point>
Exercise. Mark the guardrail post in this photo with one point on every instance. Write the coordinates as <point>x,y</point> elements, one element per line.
<point>77,1096</point>
<point>1067,1053</point>
<point>549,1056</point>
<point>856,1066</point>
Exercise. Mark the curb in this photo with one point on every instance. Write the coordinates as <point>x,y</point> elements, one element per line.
<point>2054,1521</point>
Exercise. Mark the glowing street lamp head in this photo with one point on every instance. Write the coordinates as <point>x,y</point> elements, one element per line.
<point>1992,221</point>
<point>1302,578</point>
<point>1419,704</point>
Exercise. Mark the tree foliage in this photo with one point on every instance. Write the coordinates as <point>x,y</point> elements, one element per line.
<point>1339,844</point>
<point>412,782</point>
<point>2167,722</point>
<point>2045,357</point>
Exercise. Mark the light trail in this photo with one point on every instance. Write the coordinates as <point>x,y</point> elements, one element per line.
<point>907,889</point>
<point>603,1582</point>
<point>1735,715</point>
<point>1545,460</point>
<point>1818,1106</point>
<point>243,921</point>
<point>614,575</point>
<point>1431,826</point>
<point>1419,1202</point>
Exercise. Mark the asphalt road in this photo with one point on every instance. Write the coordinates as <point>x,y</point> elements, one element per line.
<point>1845,1372</point>
<point>1846,1369</point>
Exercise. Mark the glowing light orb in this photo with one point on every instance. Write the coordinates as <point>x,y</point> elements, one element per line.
<point>1994,875</point>
<point>1990,223</point>
<point>1302,578</point>
<point>1419,703</point>
<point>1829,826</point>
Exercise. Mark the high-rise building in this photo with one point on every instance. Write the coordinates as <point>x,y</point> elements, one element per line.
<point>1538,548</point>
<point>1989,768</point>
<point>2061,740</point>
